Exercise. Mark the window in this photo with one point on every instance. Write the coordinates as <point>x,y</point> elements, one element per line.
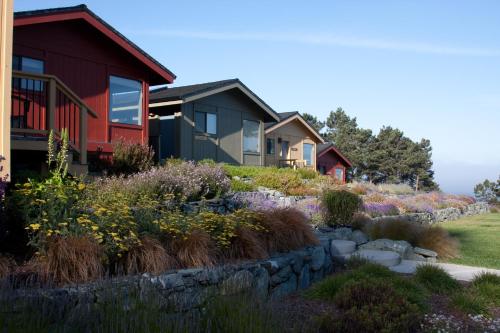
<point>125,101</point>
<point>251,135</point>
<point>270,146</point>
<point>308,153</point>
<point>29,65</point>
<point>339,173</point>
<point>205,122</point>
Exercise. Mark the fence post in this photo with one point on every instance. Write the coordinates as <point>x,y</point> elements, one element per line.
<point>83,135</point>
<point>51,105</point>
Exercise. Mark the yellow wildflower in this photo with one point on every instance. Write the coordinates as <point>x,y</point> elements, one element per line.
<point>35,226</point>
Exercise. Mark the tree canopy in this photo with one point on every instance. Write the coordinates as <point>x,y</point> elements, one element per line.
<point>389,156</point>
<point>313,121</point>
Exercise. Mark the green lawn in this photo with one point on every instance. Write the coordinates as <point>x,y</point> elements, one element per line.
<point>479,238</point>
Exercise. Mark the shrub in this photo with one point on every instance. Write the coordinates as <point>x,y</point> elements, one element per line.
<point>71,259</point>
<point>287,229</point>
<point>436,279</point>
<point>306,173</point>
<point>339,206</point>
<point>372,306</point>
<point>129,158</point>
<point>376,209</point>
<point>149,256</point>
<point>280,181</point>
<point>214,181</point>
<point>359,188</point>
<point>241,186</point>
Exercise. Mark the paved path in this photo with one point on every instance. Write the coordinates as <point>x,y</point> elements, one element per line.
<point>459,272</point>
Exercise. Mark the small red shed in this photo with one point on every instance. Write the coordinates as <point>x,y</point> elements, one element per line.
<point>330,161</point>
<point>93,67</point>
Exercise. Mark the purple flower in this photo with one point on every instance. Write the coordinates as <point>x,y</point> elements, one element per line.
<point>380,209</point>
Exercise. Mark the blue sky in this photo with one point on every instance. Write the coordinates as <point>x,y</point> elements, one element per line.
<point>430,68</point>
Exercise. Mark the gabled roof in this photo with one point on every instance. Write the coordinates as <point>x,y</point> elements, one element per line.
<point>287,117</point>
<point>324,148</point>
<point>81,12</point>
<point>184,94</point>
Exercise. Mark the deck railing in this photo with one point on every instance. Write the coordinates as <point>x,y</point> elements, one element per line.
<point>41,103</point>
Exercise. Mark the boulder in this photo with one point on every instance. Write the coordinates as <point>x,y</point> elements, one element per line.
<point>340,247</point>
<point>304,278</point>
<point>281,276</point>
<point>359,237</point>
<point>403,248</point>
<point>385,258</point>
<point>317,258</point>
<point>342,233</point>
<point>261,283</point>
<point>285,288</point>
<point>424,252</point>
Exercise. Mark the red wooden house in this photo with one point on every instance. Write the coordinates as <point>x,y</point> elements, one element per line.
<point>73,70</point>
<point>330,161</point>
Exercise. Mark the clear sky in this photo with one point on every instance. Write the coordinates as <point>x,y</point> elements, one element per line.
<point>430,68</point>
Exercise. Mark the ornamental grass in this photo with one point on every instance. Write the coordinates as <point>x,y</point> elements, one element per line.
<point>287,229</point>
<point>150,256</point>
<point>195,249</point>
<point>6,264</point>
<point>247,243</point>
<point>71,260</point>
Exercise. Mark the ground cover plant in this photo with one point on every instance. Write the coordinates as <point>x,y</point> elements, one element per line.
<point>479,240</point>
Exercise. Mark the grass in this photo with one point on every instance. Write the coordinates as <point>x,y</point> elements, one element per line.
<point>479,238</point>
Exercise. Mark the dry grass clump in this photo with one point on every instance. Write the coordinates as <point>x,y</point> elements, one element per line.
<point>195,249</point>
<point>360,220</point>
<point>149,257</point>
<point>72,260</point>
<point>288,229</point>
<point>439,240</point>
<point>434,238</point>
<point>247,244</point>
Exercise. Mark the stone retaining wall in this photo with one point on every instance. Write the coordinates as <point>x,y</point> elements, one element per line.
<point>186,289</point>
<point>442,215</point>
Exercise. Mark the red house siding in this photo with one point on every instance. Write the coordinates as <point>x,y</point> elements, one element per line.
<point>83,58</point>
<point>330,162</point>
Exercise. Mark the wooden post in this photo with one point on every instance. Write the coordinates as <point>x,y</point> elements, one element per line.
<point>6,27</point>
<point>83,135</point>
<point>51,105</point>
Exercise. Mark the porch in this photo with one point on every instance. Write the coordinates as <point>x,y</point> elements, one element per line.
<point>41,103</point>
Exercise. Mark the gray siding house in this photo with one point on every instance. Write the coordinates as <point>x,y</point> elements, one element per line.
<point>223,121</point>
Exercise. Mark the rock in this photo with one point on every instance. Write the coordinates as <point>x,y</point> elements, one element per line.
<point>285,288</point>
<point>171,281</point>
<point>261,283</point>
<point>417,257</point>
<point>431,259</point>
<point>424,252</point>
<point>325,242</point>
<point>343,233</point>
<point>317,257</point>
<point>236,178</point>
<point>298,261</point>
<point>404,248</point>
<point>385,258</point>
<point>281,276</point>
<point>340,247</point>
<point>304,278</point>
<point>237,283</point>
<point>359,237</point>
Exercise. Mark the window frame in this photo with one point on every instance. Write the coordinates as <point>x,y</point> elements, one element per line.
<point>24,84</point>
<point>205,127</point>
<point>341,178</point>
<point>141,102</point>
<point>273,146</point>
<point>259,149</point>
<point>312,153</point>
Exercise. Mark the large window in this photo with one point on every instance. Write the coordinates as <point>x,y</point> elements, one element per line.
<point>308,153</point>
<point>251,137</point>
<point>125,101</point>
<point>339,174</point>
<point>205,122</point>
<point>29,65</point>
<point>270,146</point>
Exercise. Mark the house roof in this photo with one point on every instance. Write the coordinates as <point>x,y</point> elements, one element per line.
<point>81,12</point>
<point>183,94</point>
<point>286,117</point>
<point>324,148</point>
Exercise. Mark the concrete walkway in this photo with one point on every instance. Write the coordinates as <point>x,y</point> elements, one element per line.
<point>459,272</point>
